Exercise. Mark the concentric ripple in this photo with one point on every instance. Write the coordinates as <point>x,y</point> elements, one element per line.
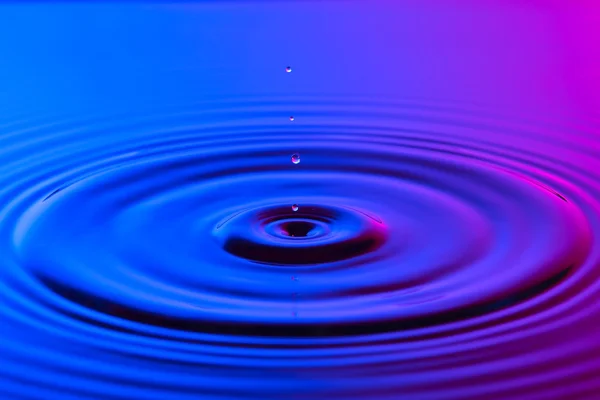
<point>315,235</point>
<point>430,244</point>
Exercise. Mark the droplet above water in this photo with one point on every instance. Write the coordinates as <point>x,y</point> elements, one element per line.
<point>292,118</point>
<point>296,158</point>
<point>295,207</point>
<point>288,69</point>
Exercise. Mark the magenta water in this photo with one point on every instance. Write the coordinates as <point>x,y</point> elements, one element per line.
<point>171,247</point>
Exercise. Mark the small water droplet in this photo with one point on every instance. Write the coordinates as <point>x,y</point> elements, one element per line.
<point>294,278</point>
<point>295,207</point>
<point>288,69</point>
<point>292,118</point>
<point>296,158</point>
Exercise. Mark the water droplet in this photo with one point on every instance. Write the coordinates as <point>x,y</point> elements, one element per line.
<point>295,207</point>
<point>296,158</point>
<point>292,118</point>
<point>288,69</point>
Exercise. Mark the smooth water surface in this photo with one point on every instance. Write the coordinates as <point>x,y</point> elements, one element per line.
<point>161,239</point>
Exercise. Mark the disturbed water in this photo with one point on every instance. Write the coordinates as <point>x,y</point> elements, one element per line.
<point>421,250</point>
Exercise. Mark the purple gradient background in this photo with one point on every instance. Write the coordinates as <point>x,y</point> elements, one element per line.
<point>534,65</point>
<point>521,55</point>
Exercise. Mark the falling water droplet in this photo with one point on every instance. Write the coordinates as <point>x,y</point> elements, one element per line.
<point>296,158</point>
<point>288,69</point>
<point>295,207</point>
<point>292,118</point>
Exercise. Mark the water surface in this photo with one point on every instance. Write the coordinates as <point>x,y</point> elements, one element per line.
<point>445,241</point>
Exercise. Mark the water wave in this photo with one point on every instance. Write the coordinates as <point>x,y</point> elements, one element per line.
<point>437,252</point>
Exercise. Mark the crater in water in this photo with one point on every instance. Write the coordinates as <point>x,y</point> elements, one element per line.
<point>314,235</point>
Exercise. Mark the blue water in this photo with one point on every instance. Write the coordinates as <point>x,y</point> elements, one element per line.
<point>445,244</point>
